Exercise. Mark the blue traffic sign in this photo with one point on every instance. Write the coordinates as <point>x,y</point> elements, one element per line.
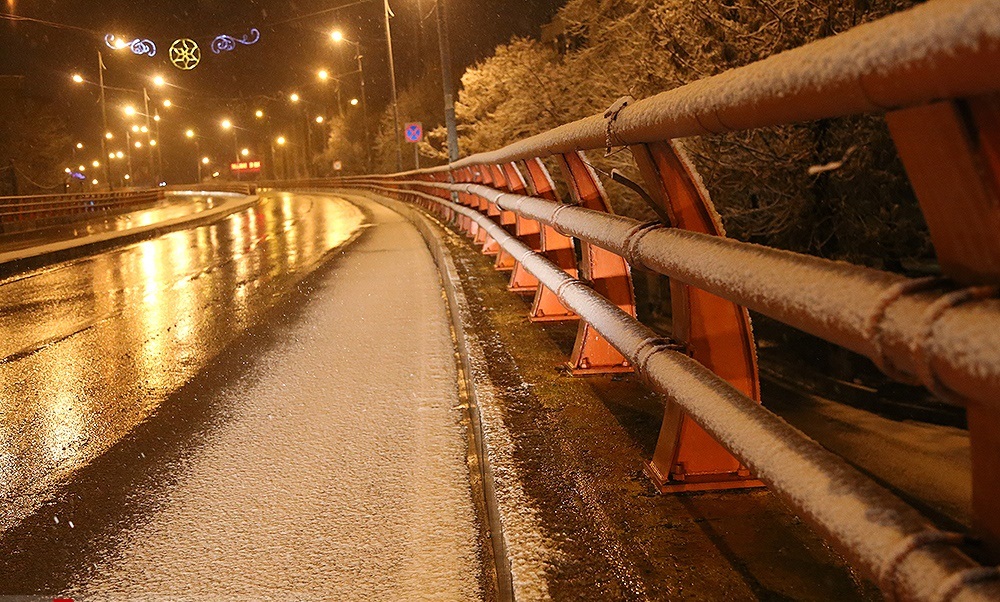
<point>414,132</point>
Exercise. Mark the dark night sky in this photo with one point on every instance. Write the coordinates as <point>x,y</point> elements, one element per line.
<point>231,84</point>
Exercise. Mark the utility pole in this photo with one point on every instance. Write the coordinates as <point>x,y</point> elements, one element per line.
<point>395,100</point>
<point>449,93</point>
<point>104,121</point>
<point>149,136</point>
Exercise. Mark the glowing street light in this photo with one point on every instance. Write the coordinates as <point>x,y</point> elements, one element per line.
<point>130,110</point>
<point>226,124</point>
<point>294,97</point>
<point>119,155</point>
<point>152,142</point>
<point>205,160</point>
<point>109,135</point>
<point>96,163</point>
<point>337,35</point>
<point>111,155</point>
<point>354,102</point>
<point>189,133</point>
<point>78,78</point>
<point>68,170</point>
<point>94,181</point>
<point>167,103</point>
<point>82,168</point>
<point>323,75</point>
<point>135,129</point>
<point>79,145</point>
<point>281,140</point>
<point>128,177</point>
<point>159,82</point>
<point>144,129</point>
<point>259,114</point>
<point>319,119</point>
<point>245,152</point>
<point>156,117</point>
<point>138,144</point>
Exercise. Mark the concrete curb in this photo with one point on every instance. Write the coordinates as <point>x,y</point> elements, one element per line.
<point>24,259</point>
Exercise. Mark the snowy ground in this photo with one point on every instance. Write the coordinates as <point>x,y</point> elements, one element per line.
<point>339,471</point>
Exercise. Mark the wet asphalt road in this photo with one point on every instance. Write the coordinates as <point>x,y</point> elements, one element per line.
<point>100,359</point>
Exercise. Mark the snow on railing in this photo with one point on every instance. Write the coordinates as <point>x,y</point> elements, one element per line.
<point>933,71</point>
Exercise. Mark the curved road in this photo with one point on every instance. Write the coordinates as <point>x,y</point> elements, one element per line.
<point>191,415</point>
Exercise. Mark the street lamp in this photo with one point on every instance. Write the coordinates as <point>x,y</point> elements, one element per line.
<point>320,119</point>
<point>167,104</point>
<point>77,78</point>
<point>294,97</point>
<point>259,114</point>
<point>323,75</point>
<point>395,99</point>
<point>338,37</point>
<point>159,82</point>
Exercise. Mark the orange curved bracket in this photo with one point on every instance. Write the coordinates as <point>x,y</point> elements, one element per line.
<point>557,248</point>
<point>606,272</point>
<point>716,333</point>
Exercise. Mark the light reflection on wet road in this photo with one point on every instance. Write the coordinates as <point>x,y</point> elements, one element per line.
<point>91,347</point>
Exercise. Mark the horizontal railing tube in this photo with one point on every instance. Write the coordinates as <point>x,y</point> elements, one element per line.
<point>861,309</point>
<point>871,525</point>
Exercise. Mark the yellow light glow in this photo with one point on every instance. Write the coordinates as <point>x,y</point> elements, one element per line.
<point>226,124</point>
<point>159,81</point>
<point>281,140</point>
<point>245,152</point>
<point>337,36</point>
<point>128,177</point>
<point>259,114</point>
<point>109,135</point>
<point>94,181</point>
<point>138,144</point>
<point>82,168</point>
<point>111,155</point>
<point>152,142</point>
<point>135,129</point>
<point>205,160</point>
<point>319,119</point>
<point>78,78</point>
<point>119,154</point>
<point>79,145</point>
<point>130,110</point>
<point>144,129</point>
<point>68,170</point>
<point>189,133</point>
<point>167,103</point>
<point>156,117</point>
<point>294,97</point>
<point>96,163</point>
<point>354,102</point>
<point>323,75</point>
<point>119,43</point>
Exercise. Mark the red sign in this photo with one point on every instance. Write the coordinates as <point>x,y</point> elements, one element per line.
<point>244,166</point>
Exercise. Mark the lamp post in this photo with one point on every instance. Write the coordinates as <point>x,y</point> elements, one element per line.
<point>227,125</point>
<point>449,94</point>
<point>395,100</point>
<point>197,149</point>
<point>339,37</point>
<point>106,135</point>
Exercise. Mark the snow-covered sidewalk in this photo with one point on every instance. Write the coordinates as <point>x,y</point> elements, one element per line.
<point>340,474</point>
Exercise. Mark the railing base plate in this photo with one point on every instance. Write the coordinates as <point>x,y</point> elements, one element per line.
<point>708,482</point>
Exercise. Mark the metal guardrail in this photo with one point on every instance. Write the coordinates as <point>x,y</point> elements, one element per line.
<point>35,207</point>
<point>933,71</point>
<point>20,208</point>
